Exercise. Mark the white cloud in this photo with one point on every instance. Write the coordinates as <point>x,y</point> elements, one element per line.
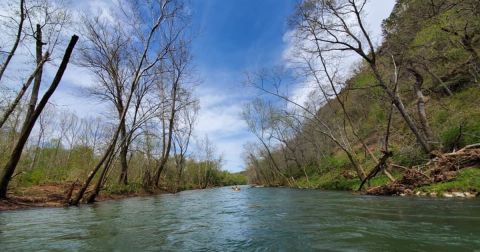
<point>79,77</point>
<point>220,119</point>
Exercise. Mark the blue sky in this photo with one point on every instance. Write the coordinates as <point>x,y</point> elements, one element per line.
<point>231,37</point>
<point>234,37</point>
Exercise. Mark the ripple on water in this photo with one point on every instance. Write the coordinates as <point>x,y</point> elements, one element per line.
<point>261,219</point>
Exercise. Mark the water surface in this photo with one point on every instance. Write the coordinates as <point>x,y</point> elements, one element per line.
<point>257,219</point>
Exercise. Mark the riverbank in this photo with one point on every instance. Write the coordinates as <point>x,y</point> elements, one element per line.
<point>54,195</point>
<point>455,174</point>
<point>466,184</point>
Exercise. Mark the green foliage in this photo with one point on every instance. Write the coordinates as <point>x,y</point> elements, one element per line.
<point>34,177</point>
<point>335,162</point>
<point>457,137</point>
<point>335,181</point>
<point>409,155</point>
<point>228,178</point>
<point>457,119</point>
<point>115,188</point>
<point>364,79</point>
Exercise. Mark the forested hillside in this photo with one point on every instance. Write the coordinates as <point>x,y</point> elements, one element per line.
<point>408,102</point>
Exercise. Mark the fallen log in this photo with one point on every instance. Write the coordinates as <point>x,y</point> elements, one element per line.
<point>444,167</point>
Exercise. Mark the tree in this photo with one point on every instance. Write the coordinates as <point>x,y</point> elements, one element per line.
<point>331,129</point>
<point>183,135</point>
<point>18,37</point>
<point>30,122</point>
<point>106,54</point>
<point>176,74</point>
<point>337,26</point>
<point>156,29</point>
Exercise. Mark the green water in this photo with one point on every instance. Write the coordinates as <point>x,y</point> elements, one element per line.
<point>258,219</point>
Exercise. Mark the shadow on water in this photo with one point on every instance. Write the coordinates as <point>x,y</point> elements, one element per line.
<point>265,219</point>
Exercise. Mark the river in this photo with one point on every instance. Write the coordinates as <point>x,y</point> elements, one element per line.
<point>254,219</point>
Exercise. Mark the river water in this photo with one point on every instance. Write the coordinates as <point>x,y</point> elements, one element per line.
<point>256,219</point>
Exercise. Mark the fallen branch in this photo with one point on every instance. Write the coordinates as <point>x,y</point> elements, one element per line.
<point>382,164</point>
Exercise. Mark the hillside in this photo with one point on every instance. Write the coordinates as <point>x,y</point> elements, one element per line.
<point>412,99</point>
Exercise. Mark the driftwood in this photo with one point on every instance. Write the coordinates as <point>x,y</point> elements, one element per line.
<point>443,167</point>
<point>69,192</point>
<point>382,165</point>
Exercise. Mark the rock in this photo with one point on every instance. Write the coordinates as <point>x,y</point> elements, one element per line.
<point>447,195</point>
<point>419,193</point>
<point>458,194</point>
<point>470,195</point>
<point>433,194</point>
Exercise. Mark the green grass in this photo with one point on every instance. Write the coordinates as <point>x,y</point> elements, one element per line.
<point>467,180</point>
<point>122,189</point>
<point>335,181</point>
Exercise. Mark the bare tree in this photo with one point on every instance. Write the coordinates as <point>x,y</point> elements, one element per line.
<point>18,37</point>
<point>337,26</point>
<point>183,135</point>
<point>156,34</point>
<point>30,122</point>
<point>105,53</point>
<point>308,112</point>
<point>176,74</point>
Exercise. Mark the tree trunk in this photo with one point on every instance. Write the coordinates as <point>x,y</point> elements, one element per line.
<point>9,168</point>
<point>17,39</point>
<point>422,114</point>
<point>403,112</point>
<point>180,171</point>
<point>101,180</point>
<point>75,201</point>
<point>22,92</point>
<point>171,122</point>
<point>38,76</point>
<point>123,156</point>
<point>36,88</point>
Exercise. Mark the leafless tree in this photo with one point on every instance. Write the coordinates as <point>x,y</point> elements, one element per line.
<point>154,35</point>
<point>183,136</point>
<point>18,36</point>
<point>177,67</point>
<point>9,168</point>
<point>308,113</point>
<point>338,26</point>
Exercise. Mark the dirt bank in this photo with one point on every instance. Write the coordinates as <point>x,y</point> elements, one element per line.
<point>53,195</point>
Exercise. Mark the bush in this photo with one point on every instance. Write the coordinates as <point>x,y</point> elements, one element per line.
<point>33,177</point>
<point>123,189</point>
<point>467,180</point>
<point>458,137</point>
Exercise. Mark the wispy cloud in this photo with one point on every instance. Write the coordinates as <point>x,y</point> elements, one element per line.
<point>220,119</point>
